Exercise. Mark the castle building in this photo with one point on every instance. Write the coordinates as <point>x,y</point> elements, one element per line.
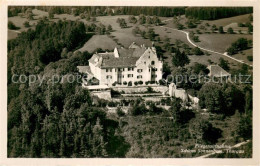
<point>135,64</point>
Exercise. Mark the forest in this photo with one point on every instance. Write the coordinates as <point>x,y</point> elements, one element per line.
<point>202,13</point>
<point>213,13</point>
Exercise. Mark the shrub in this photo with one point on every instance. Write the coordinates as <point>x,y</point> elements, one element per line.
<point>120,112</point>
<point>136,83</point>
<point>149,89</point>
<point>12,26</point>
<point>26,24</point>
<point>152,82</point>
<point>140,82</point>
<point>161,82</point>
<point>114,84</point>
<point>197,51</point>
<point>220,29</point>
<point>230,30</point>
<point>111,104</point>
<point>130,83</point>
<point>147,82</point>
<point>250,58</point>
<point>138,110</point>
<point>125,83</point>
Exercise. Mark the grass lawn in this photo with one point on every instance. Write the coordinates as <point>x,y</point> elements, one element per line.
<point>214,58</point>
<point>19,21</point>
<point>219,42</point>
<point>12,34</point>
<point>236,28</point>
<point>98,41</point>
<point>226,21</point>
<point>243,55</point>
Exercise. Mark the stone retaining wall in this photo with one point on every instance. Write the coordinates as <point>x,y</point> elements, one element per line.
<point>141,89</point>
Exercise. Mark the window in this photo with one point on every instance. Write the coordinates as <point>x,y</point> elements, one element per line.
<point>109,77</point>
<point>130,75</point>
<point>139,76</point>
<point>145,63</point>
<point>139,70</point>
<point>130,69</point>
<point>154,76</point>
<point>152,63</point>
<point>154,69</point>
<point>108,70</point>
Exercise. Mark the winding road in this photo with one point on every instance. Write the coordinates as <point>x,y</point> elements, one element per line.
<point>208,50</point>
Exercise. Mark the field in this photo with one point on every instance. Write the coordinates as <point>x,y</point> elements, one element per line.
<point>124,36</point>
<point>219,42</point>
<point>226,21</point>
<point>98,41</point>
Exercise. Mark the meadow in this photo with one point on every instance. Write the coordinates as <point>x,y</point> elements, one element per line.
<point>124,36</point>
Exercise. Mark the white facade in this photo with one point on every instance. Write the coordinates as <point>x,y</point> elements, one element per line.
<point>146,67</point>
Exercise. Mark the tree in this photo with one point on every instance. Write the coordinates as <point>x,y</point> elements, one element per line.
<point>231,51</point>
<point>213,28</point>
<point>250,17</point>
<point>203,131</point>
<point>122,22</point>
<point>245,127</point>
<point>200,69</point>
<point>197,51</point>
<point>26,24</point>
<point>98,143</point>
<point>51,15</point>
<point>211,97</point>
<point>180,26</point>
<point>12,26</point>
<point>156,20</point>
<point>109,28</point>
<point>224,64</point>
<point>30,16</point>
<point>239,45</point>
<point>250,28</point>
<point>132,19</point>
<point>230,30</point>
<point>151,34</point>
<point>180,59</point>
<point>142,19</point>
<point>220,29</point>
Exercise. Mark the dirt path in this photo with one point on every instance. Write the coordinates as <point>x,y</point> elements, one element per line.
<point>235,146</point>
<point>192,43</point>
<point>15,31</point>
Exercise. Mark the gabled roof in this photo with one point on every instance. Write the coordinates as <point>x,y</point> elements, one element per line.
<point>217,71</point>
<point>127,58</point>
